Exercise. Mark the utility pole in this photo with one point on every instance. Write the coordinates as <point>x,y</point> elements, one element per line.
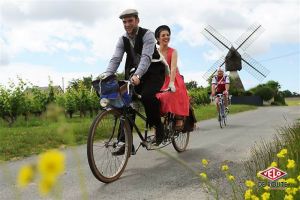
<point>63,84</point>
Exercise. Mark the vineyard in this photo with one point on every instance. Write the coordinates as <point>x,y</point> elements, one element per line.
<point>25,100</point>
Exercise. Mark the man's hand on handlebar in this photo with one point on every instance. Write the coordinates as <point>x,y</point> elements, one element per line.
<point>135,80</point>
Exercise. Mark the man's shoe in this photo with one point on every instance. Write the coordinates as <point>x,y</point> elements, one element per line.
<point>158,141</point>
<point>227,109</point>
<point>159,135</point>
<point>121,151</point>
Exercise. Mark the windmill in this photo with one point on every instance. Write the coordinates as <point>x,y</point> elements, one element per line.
<point>233,59</point>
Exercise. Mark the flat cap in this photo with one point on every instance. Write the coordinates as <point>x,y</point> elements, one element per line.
<point>128,12</point>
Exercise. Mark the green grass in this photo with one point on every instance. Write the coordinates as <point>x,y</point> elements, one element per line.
<point>38,134</point>
<point>210,111</point>
<point>293,101</point>
<point>21,141</point>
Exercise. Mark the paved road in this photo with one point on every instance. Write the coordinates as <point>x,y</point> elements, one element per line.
<point>152,175</point>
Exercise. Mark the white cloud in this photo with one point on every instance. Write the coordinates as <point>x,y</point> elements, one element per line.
<point>93,27</point>
<point>195,76</point>
<point>37,74</point>
<point>213,54</point>
<point>30,25</point>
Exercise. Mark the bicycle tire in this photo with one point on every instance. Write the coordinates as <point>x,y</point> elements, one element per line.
<point>220,118</point>
<point>176,144</point>
<point>109,143</point>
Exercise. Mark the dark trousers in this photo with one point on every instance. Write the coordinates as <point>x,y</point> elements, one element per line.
<point>150,85</point>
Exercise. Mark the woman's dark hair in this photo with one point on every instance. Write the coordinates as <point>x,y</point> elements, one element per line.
<point>160,29</point>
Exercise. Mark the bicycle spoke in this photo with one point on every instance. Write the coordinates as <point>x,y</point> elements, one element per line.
<point>105,165</point>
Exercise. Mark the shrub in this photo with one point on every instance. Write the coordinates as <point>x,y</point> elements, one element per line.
<point>199,96</point>
<point>265,92</point>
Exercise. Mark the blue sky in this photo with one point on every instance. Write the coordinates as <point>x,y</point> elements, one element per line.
<point>72,39</point>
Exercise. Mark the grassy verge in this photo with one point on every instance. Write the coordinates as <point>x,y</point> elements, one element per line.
<point>208,112</point>
<point>21,141</point>
<point>293,101</point>
<point>37,135</point>
<point>284,153</point>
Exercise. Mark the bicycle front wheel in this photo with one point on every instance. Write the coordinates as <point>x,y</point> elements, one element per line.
<point>108,133</point>
<point>220,119</point>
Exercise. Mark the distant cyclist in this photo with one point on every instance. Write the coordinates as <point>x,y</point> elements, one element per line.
<point>220,85</point>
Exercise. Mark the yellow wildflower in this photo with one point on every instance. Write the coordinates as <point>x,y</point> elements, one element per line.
<point>282,153</point>
<point>267,188</point>
<point>25,176</point>
<point>46,184</point>
<point>204,162</point>
<point>291,181</point>
<point>265,196</point>
<point>291,190</point>
<point>253,197</point>
<point>260,176</point>
<point>248,194</point>
<point>51,163</point>
<point>288,197</point>
<point>291,164</point>
<point>281,180</point>
<point>273,164</point>
<point>298,177</point>
<point>249,183</point>
<point>225,168</point>
<point>230,178</point>
<point>203,176</point>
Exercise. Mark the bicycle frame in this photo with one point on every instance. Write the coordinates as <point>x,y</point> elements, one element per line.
<point>127,114</point>
<point>221,104</point>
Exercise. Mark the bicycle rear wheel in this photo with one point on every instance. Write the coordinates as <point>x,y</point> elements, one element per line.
<point>103,140</point>
<point>181,141</point>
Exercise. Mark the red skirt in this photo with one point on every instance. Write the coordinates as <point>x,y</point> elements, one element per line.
<point>174,102</point>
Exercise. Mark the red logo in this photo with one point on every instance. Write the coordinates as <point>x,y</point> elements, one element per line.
<point>273,173</point>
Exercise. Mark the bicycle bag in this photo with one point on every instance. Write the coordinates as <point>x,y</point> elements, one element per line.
<point>109,87</point>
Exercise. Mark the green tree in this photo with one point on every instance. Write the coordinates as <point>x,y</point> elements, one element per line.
<point>274,85</point>
<point>70,102</point>
<point>12,101</point>
<point>287,93</point>
<point>190,85</point>
<point>265,92</point>
<point>39,101</point>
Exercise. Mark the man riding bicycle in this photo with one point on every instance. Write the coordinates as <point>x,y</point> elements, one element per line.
<point>220,85</point>
<point>139,45</point>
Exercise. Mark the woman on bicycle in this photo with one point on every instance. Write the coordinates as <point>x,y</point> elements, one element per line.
<point>176,101</point>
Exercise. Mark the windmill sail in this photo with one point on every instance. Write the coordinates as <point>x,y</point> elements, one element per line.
<point>251,34</point>
<point>216,38</point>
<point>214,68</point>
<point>254,68</point>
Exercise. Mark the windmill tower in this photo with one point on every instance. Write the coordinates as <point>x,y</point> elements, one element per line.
<point>233,59</point>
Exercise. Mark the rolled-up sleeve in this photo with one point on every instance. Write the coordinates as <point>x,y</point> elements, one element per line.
<point>116,58</point>
<point>147,52</point>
